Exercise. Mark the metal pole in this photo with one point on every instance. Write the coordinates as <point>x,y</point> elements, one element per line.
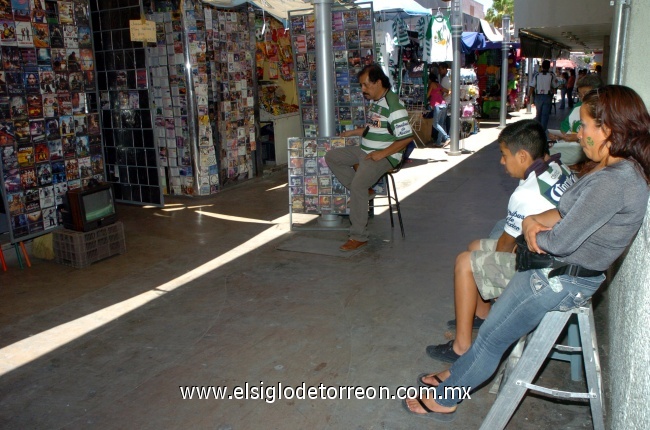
<point>529,105</point>
<point>616,43</point>
<point>456,31</point>
<point>505,48</point>
<point>324,68</point>
<point>192,112</point>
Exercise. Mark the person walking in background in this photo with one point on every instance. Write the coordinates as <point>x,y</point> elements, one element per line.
<point>563,88</point>
<point>435,94</point>
<point>542,87</point>
<point>570,85</point>
<point>445,81</point>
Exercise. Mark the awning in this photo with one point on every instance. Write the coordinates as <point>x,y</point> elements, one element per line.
<point>410,7</point>
<point>280,8</point>
<point>491,33</point>
<point>471,41</point>
<point>474,41</point>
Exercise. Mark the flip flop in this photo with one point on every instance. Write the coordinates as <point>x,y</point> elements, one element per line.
<point>437,416</point>
<point>421,383</point>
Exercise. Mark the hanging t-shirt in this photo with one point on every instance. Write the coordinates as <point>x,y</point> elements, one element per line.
<point>400,31</point>
<point>441,47</point>
<point>424,36</point>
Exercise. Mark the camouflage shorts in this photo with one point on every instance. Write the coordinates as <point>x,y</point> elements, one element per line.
<point>492,270</point>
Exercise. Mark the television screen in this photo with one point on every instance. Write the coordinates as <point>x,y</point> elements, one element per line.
<point>98,205</point>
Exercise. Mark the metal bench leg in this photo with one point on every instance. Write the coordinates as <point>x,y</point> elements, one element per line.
<point>592,367</point>
<point>533,357</point>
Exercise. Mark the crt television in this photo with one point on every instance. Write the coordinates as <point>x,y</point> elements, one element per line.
<point>89,208</point>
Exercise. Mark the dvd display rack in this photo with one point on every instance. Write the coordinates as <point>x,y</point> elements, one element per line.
<point>353,46</point>
<point>50,136</point>
<point>180,73</point>
<point>231,48</point>
<point>313,189</point>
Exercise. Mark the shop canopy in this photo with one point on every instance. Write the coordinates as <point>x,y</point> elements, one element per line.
<point>409,7</point>
<point>280,8</point>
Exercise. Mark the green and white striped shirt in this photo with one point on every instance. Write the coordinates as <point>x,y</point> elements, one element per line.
<point>387,121</point>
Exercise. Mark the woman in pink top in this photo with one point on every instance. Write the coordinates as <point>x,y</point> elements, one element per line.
<point>436,100</point>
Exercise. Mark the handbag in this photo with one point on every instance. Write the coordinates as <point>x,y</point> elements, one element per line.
<point>526,259</point>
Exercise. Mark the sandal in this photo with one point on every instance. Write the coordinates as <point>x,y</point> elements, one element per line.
<point>443,417</point>
<point>421,383</point>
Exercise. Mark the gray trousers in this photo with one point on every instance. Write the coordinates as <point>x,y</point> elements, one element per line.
<point>341,162</point>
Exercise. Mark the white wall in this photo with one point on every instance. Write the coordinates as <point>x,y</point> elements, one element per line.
<point>558,13</point>
<point>629,293</point>
<point>635,72</point>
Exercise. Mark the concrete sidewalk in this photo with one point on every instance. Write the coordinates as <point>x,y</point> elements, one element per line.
<point>203,297</point>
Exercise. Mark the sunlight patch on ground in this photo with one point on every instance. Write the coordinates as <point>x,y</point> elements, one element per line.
<point>23,352</point>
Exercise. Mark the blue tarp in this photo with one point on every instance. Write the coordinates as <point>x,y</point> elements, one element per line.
<point>472,41</point>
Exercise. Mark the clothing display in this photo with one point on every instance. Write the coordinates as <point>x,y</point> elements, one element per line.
<point>435,32</point>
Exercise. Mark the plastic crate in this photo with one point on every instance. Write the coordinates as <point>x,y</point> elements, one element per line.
<point>80,249</point>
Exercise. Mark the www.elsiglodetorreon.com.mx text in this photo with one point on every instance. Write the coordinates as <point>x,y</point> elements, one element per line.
<point>279,391</point>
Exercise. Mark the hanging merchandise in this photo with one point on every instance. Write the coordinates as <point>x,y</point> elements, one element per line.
<point>50,137</point>
<point>441,46</point>
<point>386,52</point>
<point>400,31</point>
<point>230,47</point>
<point>353,46</point>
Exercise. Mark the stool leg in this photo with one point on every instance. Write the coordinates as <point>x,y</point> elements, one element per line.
<point>2,260</point>
<point>592,366</point>
<point>24,250</point>
<point>397,206</point>
<point>387,178</point>
<point>20,260</point>
<point>531,360</point>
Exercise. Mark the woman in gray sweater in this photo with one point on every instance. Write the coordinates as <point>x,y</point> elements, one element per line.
<point>595,221</point>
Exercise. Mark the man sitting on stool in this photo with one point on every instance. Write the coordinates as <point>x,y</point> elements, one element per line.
<point>386,134</point>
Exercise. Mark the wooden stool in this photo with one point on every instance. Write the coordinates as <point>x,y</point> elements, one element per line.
<point>519,379</point>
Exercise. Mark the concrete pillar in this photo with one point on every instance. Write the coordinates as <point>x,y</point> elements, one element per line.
<point>629,292</point>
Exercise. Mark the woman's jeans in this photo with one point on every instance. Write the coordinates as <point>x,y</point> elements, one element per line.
<point>439,118</point>
<point>521,307</point>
